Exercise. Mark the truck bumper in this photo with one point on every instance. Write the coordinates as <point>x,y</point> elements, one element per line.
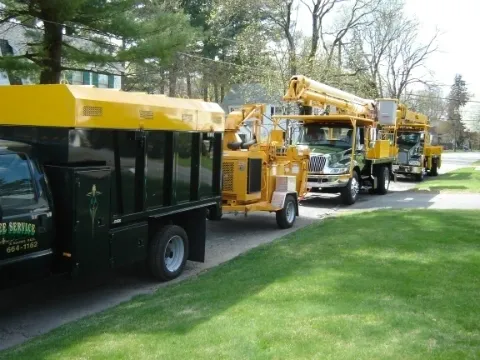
<point>327,181</point>
<point>407,169</point>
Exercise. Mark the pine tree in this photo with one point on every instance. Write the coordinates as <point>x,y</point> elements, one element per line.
<point>68,35</point>
<point>457,99</point>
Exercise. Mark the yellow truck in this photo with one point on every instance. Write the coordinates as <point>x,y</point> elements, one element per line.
<point>416,155</point>
<point>349,150</point>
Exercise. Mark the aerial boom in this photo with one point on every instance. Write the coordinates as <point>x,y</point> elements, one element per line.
<point>310,93</point>
<point>408,117</point>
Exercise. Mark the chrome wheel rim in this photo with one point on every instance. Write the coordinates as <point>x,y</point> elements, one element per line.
<point>354,187</point>
<point>174,253</point>
<point>290,211</point>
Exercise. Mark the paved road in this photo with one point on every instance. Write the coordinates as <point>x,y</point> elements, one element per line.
<point>58,301</point>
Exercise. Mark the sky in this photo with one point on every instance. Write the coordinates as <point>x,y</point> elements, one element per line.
<point>458,53</point>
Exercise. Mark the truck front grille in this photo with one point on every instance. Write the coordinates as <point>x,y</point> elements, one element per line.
<point>317,163</point>
<point>403,157</point>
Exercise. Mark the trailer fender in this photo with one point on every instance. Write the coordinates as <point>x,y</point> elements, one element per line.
<point>278,200</point>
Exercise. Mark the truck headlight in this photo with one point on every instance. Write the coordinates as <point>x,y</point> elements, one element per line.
<point>414,163</point>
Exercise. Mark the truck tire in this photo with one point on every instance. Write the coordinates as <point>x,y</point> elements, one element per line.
<point>214,213</point>
<point>419,177</point>
<point>383,180</point>
<point>168,253</point>
<point>349,193</point>
<point>286,217</point>
<point>434,169</point>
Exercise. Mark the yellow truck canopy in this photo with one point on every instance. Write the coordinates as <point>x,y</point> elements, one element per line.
<point>77,106</point>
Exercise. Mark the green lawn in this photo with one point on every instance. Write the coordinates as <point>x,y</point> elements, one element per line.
<point>377,285</point>
<point>462,180</point>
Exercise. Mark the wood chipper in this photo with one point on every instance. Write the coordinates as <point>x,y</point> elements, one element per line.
<point>260,174</point>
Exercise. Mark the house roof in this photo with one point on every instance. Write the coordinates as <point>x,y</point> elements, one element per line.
<point>17,37</point>
<point>250,93</point>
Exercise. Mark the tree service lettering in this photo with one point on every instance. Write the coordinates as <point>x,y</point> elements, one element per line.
<point>16,229</point>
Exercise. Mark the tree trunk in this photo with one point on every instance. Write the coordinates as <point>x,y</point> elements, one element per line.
<point>315,39</point>
<point>162,80</point>
<point>293,63</point>
<point>215,92</point>
<point>123,77</point>
<point>172,82</point>
<point>52,47</point>
<point>189,85</point>
<point>205,81</point>
<point>340,56</point>
<point>222,92</point>
<point>205,92</point>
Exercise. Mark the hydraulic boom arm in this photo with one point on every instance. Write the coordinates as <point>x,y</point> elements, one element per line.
<point>309,93</point>
<point>409,117</point>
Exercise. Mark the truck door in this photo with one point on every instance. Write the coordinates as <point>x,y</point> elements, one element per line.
<point>92,205</point>
<point>26,219</point>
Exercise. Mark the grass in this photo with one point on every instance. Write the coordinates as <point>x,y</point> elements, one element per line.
<point>377,285</point>
<point>461,180</point>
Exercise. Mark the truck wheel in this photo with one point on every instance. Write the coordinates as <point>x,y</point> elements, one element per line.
<point>349,193</point>
<point>214,213</point>
<point>419,177</point>
<point>286,217</point>
<point>168,253</point>
<point>383,180</point>
<point>434,169</point>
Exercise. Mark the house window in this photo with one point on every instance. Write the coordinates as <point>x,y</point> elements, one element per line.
<point>102,81</point>
<point>111,81</point>
<point>276,110</point>
<point>86,78</point>
<point>77,78</point>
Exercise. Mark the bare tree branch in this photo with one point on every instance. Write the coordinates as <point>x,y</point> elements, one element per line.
<point>358,16</point>
<point>318,9</point>
<point>281,13</point>
<point>404,57</point>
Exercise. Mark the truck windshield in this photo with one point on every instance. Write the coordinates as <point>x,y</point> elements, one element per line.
<point>326,136</point>
<point>16,186</point>
<point>408,138</point>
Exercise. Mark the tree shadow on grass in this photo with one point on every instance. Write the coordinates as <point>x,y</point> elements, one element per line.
<point>414,277</point>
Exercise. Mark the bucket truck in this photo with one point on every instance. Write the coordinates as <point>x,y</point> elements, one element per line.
<point>416,154</point>
<point>349,150</point>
